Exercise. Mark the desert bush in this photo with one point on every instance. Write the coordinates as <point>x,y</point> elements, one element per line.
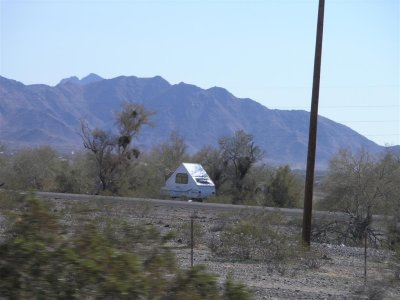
<point>44,169</point>
<point>32,169</point>
<point>76,174</point>
<point>184,232</point>
<point>41,259</point>
<point>374,290</point>
<point>143,179</point>
<point>350,231</point>
<point>396,264</point>
<point>284,189</point>
<point>28,258</point>
<point>168,155</point>
<point>254,237</point>
<point>195,283</point>
<point>38,261</point>
<point>9,200</point>
<point>235,290</point>
<point>312,259</point>
<point>362,185</point>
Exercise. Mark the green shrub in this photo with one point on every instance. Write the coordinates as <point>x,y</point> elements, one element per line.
<point>235,290</point>
<point>254,237</point>
<point>42,259</point>
<point>184,232</point>
<point>284,189</point>
<point>29,255</point>
<point>194,283</point>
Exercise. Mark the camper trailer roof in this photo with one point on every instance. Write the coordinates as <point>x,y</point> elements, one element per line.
<point>196,170</point>
<point>198,173</point>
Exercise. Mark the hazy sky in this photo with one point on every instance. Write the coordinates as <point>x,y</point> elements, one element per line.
<point>262,50</point>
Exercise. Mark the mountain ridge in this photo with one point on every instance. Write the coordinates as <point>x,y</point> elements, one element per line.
<point>84,81</point>
<point>201,116</point>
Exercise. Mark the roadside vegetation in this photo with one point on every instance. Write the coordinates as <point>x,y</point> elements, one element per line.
<point>361,186</point>
<point>111,164</point>
<point>42,258</point>
<point>358,184</point>
<point>108,257</point>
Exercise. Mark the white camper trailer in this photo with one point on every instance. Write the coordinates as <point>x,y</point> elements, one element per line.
<point>189,181</point>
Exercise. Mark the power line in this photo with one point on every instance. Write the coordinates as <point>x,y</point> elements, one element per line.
<point>336,106</point>
<point>361,106</point>
<point>333,86</point>
<point>370,121</point>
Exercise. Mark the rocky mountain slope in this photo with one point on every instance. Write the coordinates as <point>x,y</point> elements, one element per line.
<point>32,115</point>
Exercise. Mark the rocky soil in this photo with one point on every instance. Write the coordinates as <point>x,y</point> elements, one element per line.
<point>329,272</point>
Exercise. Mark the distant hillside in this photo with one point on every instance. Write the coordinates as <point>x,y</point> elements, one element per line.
<point>32,115</point>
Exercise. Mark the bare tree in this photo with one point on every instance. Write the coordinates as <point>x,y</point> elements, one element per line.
<point>113,152</point>
<point>390,169</point>
<point>170,154</point>
<point>239,153</point>
<point>361,185</point>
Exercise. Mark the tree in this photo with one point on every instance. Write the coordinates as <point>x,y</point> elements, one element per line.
<point>112,153</point>
<point>390,165</point>
<point>239,153</point>
<point>284,190</point>
<point>170,154</point>
<point>33,169</point>
<point>156,165</point>
<point>351,183</point>
<point>361,185</point>
<point>75,174</point>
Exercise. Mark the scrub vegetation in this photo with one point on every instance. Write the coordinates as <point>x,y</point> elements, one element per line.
<point>361,186</point>
<point>111,164</point>
<point>109,257</point>
<point>42,258</point>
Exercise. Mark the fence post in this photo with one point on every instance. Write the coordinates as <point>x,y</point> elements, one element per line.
<point>365,256</point>
<point>191,240</point>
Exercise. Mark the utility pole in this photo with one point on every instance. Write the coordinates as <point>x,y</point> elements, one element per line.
<point>312,139</point>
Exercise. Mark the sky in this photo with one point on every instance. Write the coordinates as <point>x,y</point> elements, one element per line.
<point>263,50</point>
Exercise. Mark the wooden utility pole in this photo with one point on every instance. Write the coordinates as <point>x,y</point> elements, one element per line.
<point>312,139</point>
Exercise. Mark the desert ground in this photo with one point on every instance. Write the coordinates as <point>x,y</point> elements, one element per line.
<point>328,271</point>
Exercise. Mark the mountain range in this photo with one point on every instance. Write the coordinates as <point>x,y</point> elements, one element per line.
<point>32,115</point>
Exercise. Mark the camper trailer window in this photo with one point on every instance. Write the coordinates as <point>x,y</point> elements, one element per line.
<point>181,178</point>
<point>202,181</point>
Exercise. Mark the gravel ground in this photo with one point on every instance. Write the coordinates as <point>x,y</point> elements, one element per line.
<point>335,272</point>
